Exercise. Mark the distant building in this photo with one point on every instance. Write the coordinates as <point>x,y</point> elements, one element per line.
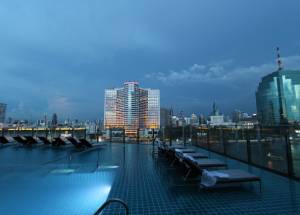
<point>165,117</point>
<point>54,121</point>
<point>215,111</point>
<point>175,121</point>
<point>2,112</point>
<point>132,108</point>
<point>187,120</point>
<point>216,119</point>
<point>194,120</point>
<point>202,120</point>
<point>278,98</point>
<point>236,116</point>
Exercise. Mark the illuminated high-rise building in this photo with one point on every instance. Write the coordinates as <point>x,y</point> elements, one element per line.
<point>132,108</point>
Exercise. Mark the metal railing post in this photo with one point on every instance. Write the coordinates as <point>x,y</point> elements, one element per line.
<point>138,136</point>
<point>222,140</point>
<point>72,134</point>
<point>110,135</point>
<point>123,135</point>
<point>249,153</point>
<point>207,138</point>
<point>171,134</point>
<point>153,138</point>
<point>183,135</point>
<point>289,156</point>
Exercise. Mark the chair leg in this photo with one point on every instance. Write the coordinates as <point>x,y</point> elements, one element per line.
<point>173,162</point>
<point>187,174</point>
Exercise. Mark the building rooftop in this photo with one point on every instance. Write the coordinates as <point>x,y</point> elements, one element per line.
<point>44,180</point>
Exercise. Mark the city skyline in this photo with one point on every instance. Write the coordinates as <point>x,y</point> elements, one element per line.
<point>209,53</point>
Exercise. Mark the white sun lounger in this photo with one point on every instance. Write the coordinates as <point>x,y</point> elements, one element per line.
<point>211,179</point>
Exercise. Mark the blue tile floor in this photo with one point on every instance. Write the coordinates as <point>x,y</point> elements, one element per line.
<point>150,185</point>
<point>44,180</point>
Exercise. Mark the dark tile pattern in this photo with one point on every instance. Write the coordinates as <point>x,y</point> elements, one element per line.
<point>150,186</point>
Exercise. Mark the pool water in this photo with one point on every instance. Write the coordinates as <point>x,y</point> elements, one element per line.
<point>43,180</point>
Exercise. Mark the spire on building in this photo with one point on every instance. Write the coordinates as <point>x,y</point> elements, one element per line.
<point>215,111</point>
<point>279,61</point>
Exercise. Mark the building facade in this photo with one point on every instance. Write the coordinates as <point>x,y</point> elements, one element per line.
<point>2,112</point>
<point>278,98</point>
<point>132,108</point>
<point>165,117</point>
<point>194,120</point>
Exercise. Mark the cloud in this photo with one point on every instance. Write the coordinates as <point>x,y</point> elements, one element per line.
<point>60,104</point>
<point>220,71</point>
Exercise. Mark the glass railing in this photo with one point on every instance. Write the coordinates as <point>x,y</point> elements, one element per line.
<point>273,148</point>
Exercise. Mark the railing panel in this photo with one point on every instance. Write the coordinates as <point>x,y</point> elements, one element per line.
<point>268,148</point>
<point>235,143</point>
<point>295,151</point>
<point>216,140</point>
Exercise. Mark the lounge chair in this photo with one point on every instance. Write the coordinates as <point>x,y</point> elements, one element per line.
<point>212,179</point>
<point>207,163</point>
<point>170,150</point>
<point>184,150</point>
<point>44,140</point>
<point>3,140</point>
<point>178,153</point>
<point>86,143</point>
<point>58,142</point>
<point>21,140</point>
<point>204,162</point>
<point>198,164</point>
<point>77,144</point>
<point>195,155</point>
<point>30,140</point>
<point>176,146</point>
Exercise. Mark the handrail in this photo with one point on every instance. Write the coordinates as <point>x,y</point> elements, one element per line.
<point>112,201</point>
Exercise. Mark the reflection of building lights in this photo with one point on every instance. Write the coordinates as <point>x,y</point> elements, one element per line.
<point>105,189</point>
<point>270,164</point>
<point>98,194</point>
<point>100,139</point>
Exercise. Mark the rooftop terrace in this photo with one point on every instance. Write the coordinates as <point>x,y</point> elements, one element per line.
<point>45,180</point>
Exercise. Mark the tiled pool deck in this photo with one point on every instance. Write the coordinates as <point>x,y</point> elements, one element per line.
<point>31,179</point>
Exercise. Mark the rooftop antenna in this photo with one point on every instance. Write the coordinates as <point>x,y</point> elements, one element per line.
<point>279,61</point>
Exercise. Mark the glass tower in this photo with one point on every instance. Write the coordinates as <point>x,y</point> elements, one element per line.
<point>132,108</point>
<point>278,98</point>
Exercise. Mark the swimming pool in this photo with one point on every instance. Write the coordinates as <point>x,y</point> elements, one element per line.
<point>44,180</point>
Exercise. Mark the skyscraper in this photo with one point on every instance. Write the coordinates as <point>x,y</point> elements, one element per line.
<point>165,117</point>
<point>54,120</point>
<point>132,108</point>
<point>2,112</point>
<point>278,96</point>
